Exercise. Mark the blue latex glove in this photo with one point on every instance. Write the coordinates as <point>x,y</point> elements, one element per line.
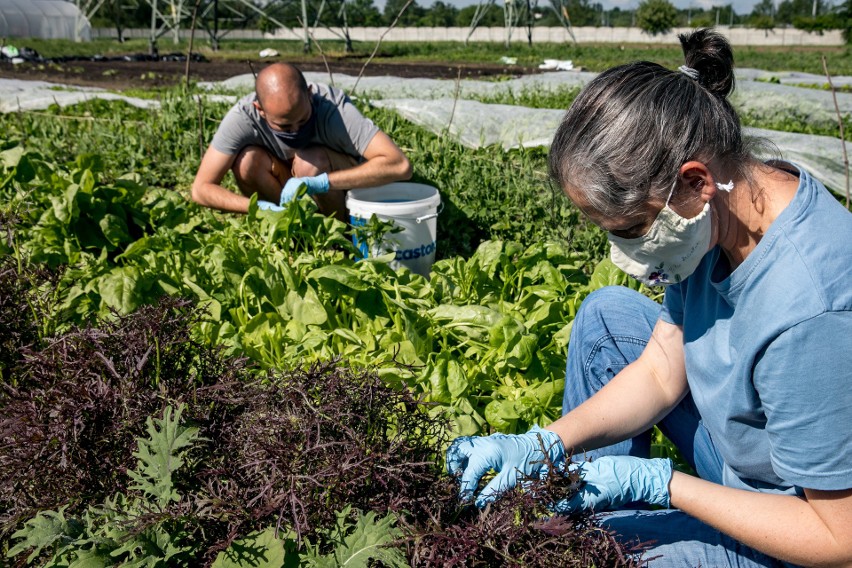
<point>509,455</point>
<point>315,184</point>
<point>614,481</point>
<point>268,206</point>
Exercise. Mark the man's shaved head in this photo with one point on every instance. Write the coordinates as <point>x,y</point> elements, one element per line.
<point>280,80</point>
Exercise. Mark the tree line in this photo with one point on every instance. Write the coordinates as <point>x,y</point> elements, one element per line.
<point>652,16</point>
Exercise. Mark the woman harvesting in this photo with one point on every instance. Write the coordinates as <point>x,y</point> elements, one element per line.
<point>747,365</point>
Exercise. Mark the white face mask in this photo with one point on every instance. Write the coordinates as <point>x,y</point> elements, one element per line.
<point>671,249</point>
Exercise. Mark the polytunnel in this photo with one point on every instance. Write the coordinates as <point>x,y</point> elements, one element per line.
<point>43,19</point>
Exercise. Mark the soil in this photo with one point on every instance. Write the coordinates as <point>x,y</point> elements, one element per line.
<point>120,75</point>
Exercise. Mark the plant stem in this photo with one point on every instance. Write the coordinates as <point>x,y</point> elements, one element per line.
<point>840,125</point>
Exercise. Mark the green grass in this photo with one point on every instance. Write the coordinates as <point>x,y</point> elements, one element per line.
<point>592,57</point>
<point>559,99</point>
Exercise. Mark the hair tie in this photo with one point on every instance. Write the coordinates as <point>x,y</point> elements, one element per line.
<point>689,72</point>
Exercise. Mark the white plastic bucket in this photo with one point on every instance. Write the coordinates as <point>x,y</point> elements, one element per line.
<point>412,206</point>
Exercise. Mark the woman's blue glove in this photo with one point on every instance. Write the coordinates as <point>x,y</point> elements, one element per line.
<point>529,454</point>
<point>614,481</point>
<point>315,184</point>
<point>268,206</point>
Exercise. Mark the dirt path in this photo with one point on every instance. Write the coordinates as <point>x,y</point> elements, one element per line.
<point>120,75</point>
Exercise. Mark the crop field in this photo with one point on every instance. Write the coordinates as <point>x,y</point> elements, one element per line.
<point>595,57</point>
<point>182,387</point>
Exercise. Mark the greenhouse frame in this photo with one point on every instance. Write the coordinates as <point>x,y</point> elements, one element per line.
<point>43,19</point>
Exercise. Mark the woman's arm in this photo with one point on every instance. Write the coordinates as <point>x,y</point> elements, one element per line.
<point>631,402</point>
<point>811,531</point>
<point>634,400</point>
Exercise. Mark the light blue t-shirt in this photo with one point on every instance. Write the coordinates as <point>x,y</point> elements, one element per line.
<point>768,349</point>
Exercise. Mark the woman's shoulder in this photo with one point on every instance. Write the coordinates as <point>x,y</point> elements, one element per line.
<point>813,246</point>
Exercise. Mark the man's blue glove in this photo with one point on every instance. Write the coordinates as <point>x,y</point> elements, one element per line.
<point>614,481</point>
<point>509,455</point>
<point>268,206</point>
<point>315,184</point>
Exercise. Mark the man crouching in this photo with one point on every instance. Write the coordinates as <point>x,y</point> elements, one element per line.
<point>288,133</point>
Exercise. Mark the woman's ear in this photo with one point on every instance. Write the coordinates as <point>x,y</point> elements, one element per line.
<point>699,179</point>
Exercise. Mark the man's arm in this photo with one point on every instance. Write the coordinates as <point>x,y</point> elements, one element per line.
<point>206,190</point>
<point>384,163</point>
<point>814,531</point>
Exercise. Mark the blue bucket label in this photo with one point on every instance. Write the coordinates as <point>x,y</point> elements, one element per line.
<point>416,252</point>
<point>401,254</point>
<point>359,244</point>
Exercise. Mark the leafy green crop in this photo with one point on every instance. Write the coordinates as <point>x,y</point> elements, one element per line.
<point>481,343</point>
<point>144,527</point>
<point>317,468</point>
<point>357,543</point>
<point>133,530</point>
<point>485,336</point>
<point>361,543</point>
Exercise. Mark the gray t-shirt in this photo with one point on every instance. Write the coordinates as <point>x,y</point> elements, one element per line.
<point>340,126</point>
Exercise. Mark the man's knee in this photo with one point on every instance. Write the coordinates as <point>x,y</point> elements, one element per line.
<point>248,163</point>
<point>311,162</point>
<point>251,165</point>
<point>257,171</point>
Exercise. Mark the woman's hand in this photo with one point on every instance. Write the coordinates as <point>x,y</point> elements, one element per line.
<point>610,482</point>
<point>530,455</point>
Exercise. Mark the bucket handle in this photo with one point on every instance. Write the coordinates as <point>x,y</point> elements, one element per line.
<point>431,215</point>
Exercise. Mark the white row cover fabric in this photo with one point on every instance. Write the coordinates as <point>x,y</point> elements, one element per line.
<point>478,125</point>
<point>397,87</point>
<point>475,124</point>
<point>754,96</point>
<point>43,19</point>
<point>17,95</point>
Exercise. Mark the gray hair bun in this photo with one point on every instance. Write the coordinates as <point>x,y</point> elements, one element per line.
<point>709,53</point>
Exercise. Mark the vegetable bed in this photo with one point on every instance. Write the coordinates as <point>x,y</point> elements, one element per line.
<point>182,387</point>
